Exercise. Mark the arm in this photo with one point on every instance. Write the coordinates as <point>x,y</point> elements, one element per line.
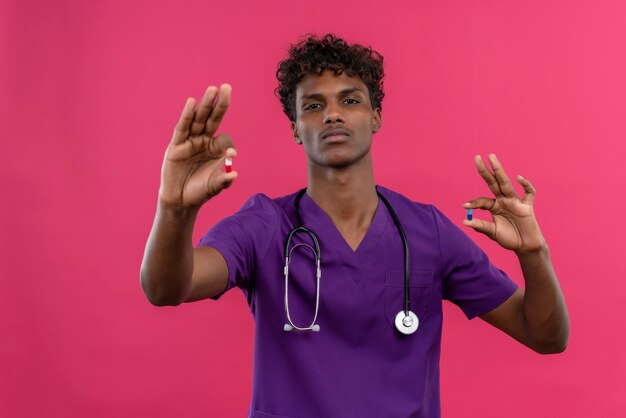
<point>173,271</point>
<point>537,316</point>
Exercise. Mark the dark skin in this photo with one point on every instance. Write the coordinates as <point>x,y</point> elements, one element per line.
<point>536,316</point>
<point>173,271</point>
<point>335,123</point>
<point>341,176</point>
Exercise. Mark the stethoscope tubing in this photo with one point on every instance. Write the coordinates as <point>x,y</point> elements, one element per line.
<point>405,244</point>
<point>406,324</point>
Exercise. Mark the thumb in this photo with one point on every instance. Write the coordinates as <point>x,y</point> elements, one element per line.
<point>484,227</point>
<point>219,181</point>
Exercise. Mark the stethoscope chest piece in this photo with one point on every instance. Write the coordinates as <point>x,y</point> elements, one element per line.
<point>407,324</point>
<point>406,321</point>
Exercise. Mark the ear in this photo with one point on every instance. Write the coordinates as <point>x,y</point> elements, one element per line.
<point>296,134</point>
<point>377,121</point>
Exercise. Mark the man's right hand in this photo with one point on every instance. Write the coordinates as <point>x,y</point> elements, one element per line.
<point>192,171</point>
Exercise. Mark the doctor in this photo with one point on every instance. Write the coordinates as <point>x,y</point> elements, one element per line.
<point>358,364</point>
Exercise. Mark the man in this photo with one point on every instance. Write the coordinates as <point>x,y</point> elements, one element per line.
<point>377,346</point>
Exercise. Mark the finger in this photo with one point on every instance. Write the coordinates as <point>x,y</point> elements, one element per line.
<point>181,132</point>
<point>488,176</point>
<point>230,153</point>
<point>217,114</point>
<point>484,227</point>
<point>482,202</point>
<point>204,110</point>
<point>211,148</point>
<point>220,144</point>
<point>228,179</point>
<point>529,190</point>
<point>503,180</point>
<point>220,181</point>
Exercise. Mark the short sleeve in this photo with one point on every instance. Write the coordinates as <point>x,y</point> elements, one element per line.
<point>243,238</point>
<point>469,279</point>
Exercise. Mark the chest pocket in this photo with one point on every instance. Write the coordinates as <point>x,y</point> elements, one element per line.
<point>423,297</point>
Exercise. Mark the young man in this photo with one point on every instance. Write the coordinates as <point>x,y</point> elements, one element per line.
<point>361,340</point>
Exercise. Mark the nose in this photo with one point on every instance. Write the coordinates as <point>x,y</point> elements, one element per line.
<point>333,114</point>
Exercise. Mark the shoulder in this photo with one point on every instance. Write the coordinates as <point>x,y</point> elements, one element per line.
<point>265,209</point>
<point>257,214</point>
<point>258,218</point>
<point>425,217</point>
<point>259,202</point>
<point>402,203</point>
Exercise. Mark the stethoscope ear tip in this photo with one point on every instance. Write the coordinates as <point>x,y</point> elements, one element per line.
<point>406,321</point>
<point>289,327</point>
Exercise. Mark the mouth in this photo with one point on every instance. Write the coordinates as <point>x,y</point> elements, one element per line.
<point>335,135</point>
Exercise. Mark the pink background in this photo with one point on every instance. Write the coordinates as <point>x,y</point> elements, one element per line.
<point>91,91</point>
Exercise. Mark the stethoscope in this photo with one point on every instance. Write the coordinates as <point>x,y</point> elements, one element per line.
<point>406,321</point>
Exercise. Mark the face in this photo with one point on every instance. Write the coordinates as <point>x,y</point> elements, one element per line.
<point>334,119</point>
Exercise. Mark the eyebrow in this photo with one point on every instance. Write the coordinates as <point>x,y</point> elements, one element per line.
<point>344,92</point>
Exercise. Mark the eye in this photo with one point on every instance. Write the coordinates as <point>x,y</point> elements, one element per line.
<point>351,101</point>
<point>312,106</point>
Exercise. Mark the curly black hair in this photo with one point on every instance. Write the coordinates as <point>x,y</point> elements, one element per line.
<point>313,55</point>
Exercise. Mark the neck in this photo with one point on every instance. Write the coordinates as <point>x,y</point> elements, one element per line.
<point>347,195</point>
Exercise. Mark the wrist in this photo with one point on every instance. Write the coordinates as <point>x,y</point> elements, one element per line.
<point>177,214</point>
<point>540,252</point>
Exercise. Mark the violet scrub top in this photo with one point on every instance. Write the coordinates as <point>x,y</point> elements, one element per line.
<point>358,364</point>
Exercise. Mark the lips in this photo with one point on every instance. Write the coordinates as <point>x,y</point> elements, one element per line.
<point>335,133</point>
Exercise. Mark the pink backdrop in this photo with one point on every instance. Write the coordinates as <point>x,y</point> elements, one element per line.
<point>90,93</point>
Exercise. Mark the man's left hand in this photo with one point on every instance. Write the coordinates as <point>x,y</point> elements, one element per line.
<point>514,226</point>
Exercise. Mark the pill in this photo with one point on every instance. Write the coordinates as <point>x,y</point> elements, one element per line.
<point>469,214</point>
<point>228,165</point>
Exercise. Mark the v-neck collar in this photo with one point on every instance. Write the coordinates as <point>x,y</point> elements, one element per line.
<point>331,239</point>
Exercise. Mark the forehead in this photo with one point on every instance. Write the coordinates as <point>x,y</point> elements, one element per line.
<point>328,84</point>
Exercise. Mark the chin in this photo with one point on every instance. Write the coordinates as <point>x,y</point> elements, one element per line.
<point>339,159</point>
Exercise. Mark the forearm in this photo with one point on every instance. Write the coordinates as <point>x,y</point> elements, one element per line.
<point>167,266</point>
<point>545,317</point>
